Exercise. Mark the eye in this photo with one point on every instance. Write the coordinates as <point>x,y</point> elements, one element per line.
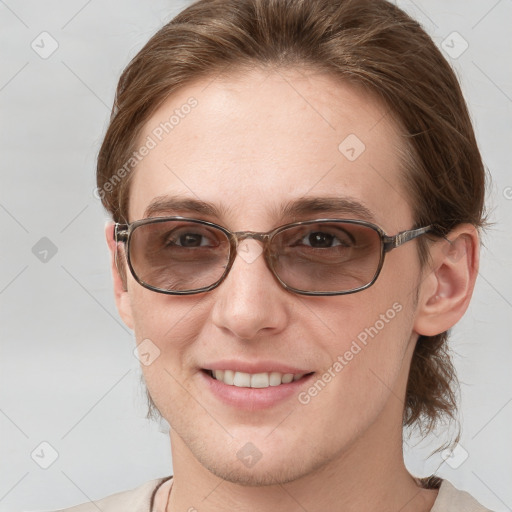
<point>190,238</point>
<point>322,238</point>
<point>319,239</point>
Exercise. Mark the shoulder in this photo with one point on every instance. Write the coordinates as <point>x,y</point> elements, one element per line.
<point>138,499</point>
<point>451,499</point>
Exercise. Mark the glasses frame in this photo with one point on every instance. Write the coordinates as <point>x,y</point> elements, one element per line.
<point>123,232</point>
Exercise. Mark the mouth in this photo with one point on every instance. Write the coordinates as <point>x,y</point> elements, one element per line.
<point>255,380</point>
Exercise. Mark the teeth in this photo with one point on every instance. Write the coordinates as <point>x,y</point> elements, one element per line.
<point>259,380</point>
<point>275,378</point>
<point>242,380</point>
<point>254,380</point>
<point>229,377</point>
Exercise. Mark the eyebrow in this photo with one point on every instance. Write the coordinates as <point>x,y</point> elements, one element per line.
<point>335,205</point>
<point>181,204</point>
<point>175,205</point>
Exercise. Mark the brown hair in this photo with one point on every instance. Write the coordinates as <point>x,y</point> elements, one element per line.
<point>369,42</point>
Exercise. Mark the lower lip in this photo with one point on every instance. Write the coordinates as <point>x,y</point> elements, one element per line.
<point>253,399</point>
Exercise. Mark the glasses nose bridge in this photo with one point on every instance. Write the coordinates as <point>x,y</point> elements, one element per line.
<point>240,236</point>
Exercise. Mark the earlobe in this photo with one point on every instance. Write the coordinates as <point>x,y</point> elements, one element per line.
<point>449,280</point>
<point>119,277</point>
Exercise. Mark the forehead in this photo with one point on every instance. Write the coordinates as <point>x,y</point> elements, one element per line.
<point>252,143</point>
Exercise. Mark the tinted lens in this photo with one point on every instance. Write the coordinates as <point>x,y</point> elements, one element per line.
<point>178,255</point>
<point>327,257</point>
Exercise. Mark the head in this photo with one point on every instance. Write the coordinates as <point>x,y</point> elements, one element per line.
<point>252,106</point>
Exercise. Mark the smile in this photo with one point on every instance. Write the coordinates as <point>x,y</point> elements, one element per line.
<point>254,380</point>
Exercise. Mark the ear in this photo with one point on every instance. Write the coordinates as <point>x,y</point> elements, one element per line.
<point>448,282</point>
<point>119,276</point>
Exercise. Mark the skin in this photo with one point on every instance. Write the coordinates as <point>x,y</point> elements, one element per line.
<point>254,142</point>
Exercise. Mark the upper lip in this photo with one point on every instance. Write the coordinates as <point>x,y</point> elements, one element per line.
<point>255,367</point>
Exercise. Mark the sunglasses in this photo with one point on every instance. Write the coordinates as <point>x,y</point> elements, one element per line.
<point>182,256</point>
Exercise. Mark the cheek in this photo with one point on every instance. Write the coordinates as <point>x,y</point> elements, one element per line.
<point>167,324</point>
<point>366,358</point>
<point>165,329</point>
<point>377,350</point>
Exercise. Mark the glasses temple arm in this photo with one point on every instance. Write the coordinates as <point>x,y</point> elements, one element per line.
<point>392,242</point>
<point>120,233</point>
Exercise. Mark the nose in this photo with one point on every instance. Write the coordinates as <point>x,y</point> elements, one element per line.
<point>250,302</point>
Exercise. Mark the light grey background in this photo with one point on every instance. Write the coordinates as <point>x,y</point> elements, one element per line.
<point>68,374</point>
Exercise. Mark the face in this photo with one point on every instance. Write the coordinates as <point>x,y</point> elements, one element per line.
<point>253,143</point>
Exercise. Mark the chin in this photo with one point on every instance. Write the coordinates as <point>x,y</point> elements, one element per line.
<point>263,473</point>
<point>244,464</point>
